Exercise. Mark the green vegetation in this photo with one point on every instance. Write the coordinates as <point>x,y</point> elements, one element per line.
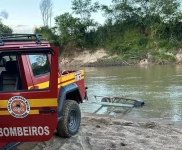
<point>4,28</point>
<point>133,28</point>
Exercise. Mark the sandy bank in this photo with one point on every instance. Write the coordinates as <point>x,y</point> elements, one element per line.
<point>100,132</point>
<point>97,58</point>
<point>100,58</point>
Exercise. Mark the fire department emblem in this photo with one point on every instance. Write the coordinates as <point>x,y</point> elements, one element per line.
<point>18,107</point>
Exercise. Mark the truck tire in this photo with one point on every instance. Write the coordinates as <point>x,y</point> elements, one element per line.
<point>70,123</point>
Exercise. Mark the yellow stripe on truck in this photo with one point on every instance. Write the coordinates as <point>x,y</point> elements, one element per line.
<point>69,76</point>
<point>68,82</point>
<point>43,102</point>
<point>42,85</point>
<point>3,103</point>
<point>67,79</point>
<point>32,112</point>
<point>51,102</point>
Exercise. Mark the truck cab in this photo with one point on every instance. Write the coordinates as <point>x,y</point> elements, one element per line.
<point>36,98</point>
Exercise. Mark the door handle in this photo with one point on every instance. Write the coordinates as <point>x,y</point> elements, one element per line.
<point>51,111</point>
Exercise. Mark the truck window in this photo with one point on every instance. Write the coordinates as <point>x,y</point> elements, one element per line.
<point>10,78</point>
<point>40,64</point>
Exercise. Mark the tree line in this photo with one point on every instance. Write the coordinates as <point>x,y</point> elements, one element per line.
<point>133,29</point>
<point>4,28</point>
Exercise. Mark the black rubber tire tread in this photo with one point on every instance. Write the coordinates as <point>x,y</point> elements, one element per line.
<point>62,128</point>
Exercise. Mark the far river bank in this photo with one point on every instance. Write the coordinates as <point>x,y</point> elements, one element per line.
<point>100,58</point>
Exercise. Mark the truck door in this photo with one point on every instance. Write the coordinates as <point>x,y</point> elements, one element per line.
<point>29,115</point>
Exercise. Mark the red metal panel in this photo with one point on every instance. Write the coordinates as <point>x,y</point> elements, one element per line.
<point>81,85</point>
<point>25,72</point>
<point>3,144</point>
<point>33,127</point>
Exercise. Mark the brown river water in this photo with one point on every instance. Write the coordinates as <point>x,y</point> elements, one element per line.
<point>159,86</point>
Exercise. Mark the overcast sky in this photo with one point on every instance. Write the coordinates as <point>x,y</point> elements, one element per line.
<point>24,15</point>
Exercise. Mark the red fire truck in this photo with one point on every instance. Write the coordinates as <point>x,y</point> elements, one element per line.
<point>36,98</point>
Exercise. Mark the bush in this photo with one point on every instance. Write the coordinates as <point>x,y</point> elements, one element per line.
<point>162,57</point>
<point>163,43</point>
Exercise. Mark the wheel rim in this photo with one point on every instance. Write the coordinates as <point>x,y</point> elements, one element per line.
<point>72,120</point>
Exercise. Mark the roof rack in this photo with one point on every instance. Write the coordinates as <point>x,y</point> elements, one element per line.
<point>19,38</point>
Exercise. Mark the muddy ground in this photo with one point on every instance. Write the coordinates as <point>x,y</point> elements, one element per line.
<point>101,132</point>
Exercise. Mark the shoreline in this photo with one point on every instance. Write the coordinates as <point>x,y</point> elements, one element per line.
<point>100,58</point>
<point>100,132</point>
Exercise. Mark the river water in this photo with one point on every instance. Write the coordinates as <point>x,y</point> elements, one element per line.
<point>159,86</point>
